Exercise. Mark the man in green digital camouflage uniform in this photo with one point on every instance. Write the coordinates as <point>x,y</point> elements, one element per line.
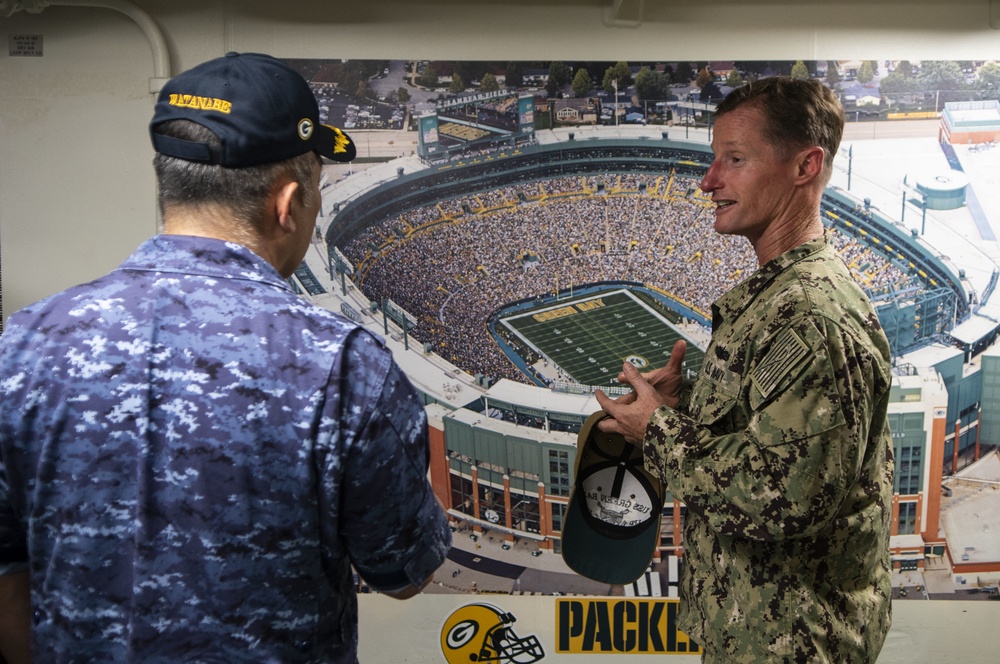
<point>780,449</point>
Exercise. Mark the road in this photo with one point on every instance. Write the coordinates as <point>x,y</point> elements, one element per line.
<point>883,129</point>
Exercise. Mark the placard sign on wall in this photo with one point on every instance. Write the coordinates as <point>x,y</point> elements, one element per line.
<point>25,46</point>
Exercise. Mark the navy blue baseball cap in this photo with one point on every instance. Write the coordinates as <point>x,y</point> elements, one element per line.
<point>261,109</point>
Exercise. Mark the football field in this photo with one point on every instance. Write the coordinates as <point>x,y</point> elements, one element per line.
<point>589,338</point>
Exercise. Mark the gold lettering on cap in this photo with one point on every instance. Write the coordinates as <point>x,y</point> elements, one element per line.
<point>201,103</point>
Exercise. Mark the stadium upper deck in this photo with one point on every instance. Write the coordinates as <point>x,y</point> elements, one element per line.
<point>927,309</point>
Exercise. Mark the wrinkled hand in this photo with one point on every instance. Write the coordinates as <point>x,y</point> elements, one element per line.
<point>667,379</point>
<point>630,413</point>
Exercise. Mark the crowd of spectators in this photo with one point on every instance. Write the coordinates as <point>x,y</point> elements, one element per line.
<point>455,263</point>
<point>873,270</point>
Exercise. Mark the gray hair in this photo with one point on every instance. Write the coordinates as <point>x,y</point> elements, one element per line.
<point>242,191</point>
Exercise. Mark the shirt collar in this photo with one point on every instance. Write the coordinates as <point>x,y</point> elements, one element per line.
<point>736,301</point>
<point>203,256</point>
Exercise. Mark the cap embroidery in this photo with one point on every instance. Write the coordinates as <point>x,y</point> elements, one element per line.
<point>305,128</point>
<point>201,103</point>
<point>340,141</point>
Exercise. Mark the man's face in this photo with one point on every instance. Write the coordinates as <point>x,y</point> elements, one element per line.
<point>749,182</point>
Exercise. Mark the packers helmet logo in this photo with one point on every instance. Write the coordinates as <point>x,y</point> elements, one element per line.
<point>483,633</point>
<point>305,129</point>
<point>638,361</point>
<point>461,633</point>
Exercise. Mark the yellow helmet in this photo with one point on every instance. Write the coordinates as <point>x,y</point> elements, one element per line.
<point>483,633</point>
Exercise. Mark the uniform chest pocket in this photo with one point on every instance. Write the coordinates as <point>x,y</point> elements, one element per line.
<point>713,402</point>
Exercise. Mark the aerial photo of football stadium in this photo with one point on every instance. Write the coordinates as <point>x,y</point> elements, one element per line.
<point>518,230</point>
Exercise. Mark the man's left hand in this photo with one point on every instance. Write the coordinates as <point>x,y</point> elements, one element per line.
<point>630,413</point>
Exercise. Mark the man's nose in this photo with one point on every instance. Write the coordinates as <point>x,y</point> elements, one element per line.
<point>709,182</point>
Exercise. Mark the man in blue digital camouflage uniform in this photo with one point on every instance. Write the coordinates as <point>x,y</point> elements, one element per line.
<point>780,449</point>
<point>193,457</point>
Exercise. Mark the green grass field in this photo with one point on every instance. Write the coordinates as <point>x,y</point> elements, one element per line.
<point>589,338</point>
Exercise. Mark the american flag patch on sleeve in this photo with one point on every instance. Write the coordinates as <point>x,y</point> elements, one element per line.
<point>785,354</point>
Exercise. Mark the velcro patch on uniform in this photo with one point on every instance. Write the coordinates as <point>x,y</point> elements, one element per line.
<point>785,353</point>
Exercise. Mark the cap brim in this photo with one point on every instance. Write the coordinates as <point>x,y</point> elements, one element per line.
<point>334,144</point>
<point>616,561</point>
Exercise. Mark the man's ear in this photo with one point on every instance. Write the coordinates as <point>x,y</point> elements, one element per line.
<point>810,164</point>
<point>284,199</point>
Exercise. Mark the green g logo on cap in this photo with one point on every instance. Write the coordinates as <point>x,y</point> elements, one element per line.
<point>305,129</point>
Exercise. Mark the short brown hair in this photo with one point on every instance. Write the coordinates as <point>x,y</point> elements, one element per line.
<point>800,113</point>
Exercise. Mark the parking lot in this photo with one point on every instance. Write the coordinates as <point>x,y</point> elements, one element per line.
<point>348,112</point>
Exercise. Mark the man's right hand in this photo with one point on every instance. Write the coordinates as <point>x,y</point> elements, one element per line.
<point>630,413</point>
<point>667,379</point>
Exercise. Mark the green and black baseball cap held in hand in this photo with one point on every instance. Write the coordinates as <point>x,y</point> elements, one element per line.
<point>612,524</point>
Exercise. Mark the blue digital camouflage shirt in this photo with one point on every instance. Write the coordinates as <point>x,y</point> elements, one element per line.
<point>192,457</point>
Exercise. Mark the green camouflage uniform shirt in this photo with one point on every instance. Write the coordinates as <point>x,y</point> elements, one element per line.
<point>782,455</point>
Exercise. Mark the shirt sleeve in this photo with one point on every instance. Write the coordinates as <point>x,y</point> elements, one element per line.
<point>799,441</point>
<point>13,535</point>
<point>391,522</point>
<point>13,545</point>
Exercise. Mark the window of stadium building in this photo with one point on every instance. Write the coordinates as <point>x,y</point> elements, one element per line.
<point>907,518</point>
<point>908,470</point>
<point>558,514</point>
<point>559,486</point>
<point>559,479</point>
<point>492,467</point>
<point>461,494</point>
<point>523,474</point>
<point>491,504</point>
<point>524,513</point>
<point>490,497</point>
<point>465,461</point>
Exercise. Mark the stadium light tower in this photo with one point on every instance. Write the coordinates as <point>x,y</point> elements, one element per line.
<point>850,164</point>
<point>907,189</point>
<point>340,264</point>
<point>614,82</point>
<point>400,316</point>
<point>849,152</point>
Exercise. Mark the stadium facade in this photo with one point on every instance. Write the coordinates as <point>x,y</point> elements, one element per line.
<point>503,453</point>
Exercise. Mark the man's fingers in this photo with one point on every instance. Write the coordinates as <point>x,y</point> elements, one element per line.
<point>623,379</point>
<point>626,399</point>
<point>604,401</point>
<point>609,425</point>
<point>672,367</point>
<point>612,406</point>
<point>638,382</point>
<point>621,400</point>
<point>677,356</point>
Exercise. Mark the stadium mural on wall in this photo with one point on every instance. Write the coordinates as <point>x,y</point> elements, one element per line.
<point>501,213</point>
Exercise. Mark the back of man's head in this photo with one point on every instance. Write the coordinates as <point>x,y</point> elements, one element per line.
<point>799,113</point>
<point>240,192</point>
<point>226,129</point>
